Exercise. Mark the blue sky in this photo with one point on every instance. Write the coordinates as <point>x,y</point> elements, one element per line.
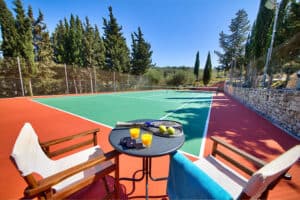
<point>176,29</point>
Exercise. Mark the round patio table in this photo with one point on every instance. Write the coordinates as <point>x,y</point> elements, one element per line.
<point>160,146</point>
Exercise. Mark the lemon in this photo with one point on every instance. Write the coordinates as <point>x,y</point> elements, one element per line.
<point>162,129</point>
<point>171,130</point>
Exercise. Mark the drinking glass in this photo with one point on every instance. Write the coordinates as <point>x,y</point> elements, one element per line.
<point>134,133</point>
<point>147,139</point>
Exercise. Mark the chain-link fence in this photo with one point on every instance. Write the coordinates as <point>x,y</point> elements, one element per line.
<point>54,79</point>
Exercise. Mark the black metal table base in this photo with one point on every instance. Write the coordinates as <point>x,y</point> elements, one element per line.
<point>146,174</point>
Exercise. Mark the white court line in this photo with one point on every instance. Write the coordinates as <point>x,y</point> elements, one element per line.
<point>73,114</point>
<point>201,152</point>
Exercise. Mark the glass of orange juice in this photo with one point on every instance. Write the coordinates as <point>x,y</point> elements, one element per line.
<point>147,139</point>
<point>134,133</point>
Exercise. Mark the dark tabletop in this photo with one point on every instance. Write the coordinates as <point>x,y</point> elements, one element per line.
<point>160,145</point>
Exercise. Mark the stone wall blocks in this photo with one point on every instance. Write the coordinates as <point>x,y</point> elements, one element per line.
<point>281,107</point>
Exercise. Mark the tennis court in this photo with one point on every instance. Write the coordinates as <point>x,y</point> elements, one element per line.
<point>191,108</point>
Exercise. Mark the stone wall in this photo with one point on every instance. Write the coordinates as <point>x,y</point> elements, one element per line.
<point>281,107</point>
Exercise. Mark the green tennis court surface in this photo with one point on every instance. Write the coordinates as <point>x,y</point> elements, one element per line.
<point>191,108</point>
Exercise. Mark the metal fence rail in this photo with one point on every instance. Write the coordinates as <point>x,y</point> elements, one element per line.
<point>53,79</point>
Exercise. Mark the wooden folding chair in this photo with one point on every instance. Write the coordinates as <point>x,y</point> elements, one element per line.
<point>58,179</point>
<point>210,178</point>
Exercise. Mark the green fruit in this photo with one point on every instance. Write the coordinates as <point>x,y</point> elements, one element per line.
<point>171,130</point>
<point>162,129</point>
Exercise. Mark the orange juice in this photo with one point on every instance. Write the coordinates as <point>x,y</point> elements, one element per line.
<point>147,139</point>
<point>134,133</point>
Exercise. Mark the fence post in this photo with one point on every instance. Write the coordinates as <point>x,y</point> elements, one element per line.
<point>128,76</point>
<point>95,87</point>
<point>66,76</point>
<point>91,79</point>
<point>114,81</point>
<point>20,74</point>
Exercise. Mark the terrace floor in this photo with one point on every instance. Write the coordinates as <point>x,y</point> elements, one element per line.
<point>229,120</point>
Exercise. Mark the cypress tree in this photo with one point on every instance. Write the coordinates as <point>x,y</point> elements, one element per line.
<point>262,29</point>
<point>281,31</point>
<point>88,41</point>
<point>93,50</point>
<point>41,39</point>
<point>8,31</point>
<point>116,50</point>
<point>292,22</point>
<point>58,40</point>
<point>196,66</point>
<point>72,48</point>
<point>24,35</point>
<point>99,50</point>
<point>207,70</point>
<point>25,42</point>
<point>140,54</point>
<point>78,56</point>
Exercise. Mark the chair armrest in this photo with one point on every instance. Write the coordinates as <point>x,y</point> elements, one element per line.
<point>46,145</point>
<point>47,183</point>
<point>254,160</point>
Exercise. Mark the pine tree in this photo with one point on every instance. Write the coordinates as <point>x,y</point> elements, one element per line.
<point>225,58</point>
<point>207,70</point>
<point>140,54</point>
<point>116,50</point>
<point>8,31</point>
<point>239,28</point>
<point>233,44</point>
<point>196,66</point>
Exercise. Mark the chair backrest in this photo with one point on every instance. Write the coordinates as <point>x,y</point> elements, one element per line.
<point>29,156</point>
<point>266,175</point>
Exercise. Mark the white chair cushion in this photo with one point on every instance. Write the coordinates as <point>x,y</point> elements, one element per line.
<point>75,159</point>
<point>228,179</point>
<point>29,156</point>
